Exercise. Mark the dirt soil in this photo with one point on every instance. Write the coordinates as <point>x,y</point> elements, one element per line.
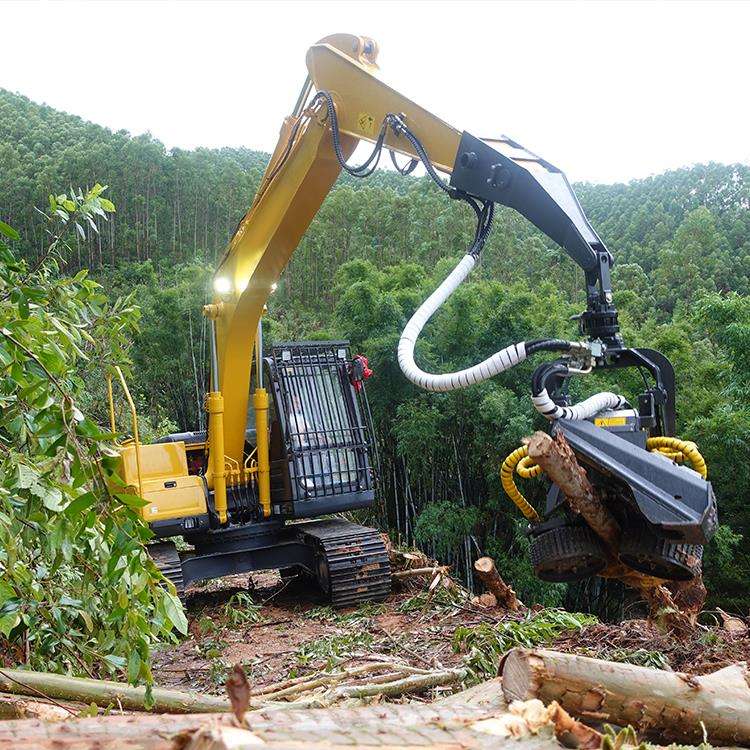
<point>280,629</point>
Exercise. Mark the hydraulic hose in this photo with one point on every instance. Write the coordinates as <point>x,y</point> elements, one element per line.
<point>497,363</point>
<point>514,462</point>
<point>679,450</point>
<point>585,410</point>
<point>520,463</point>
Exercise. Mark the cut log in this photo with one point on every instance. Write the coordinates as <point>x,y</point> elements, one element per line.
<point>20,707</point>
<point>385,725</point>
<point>488,694</point>
<point>487,601</point>
<point>105,693</point>
<point>667,706</point>
<point>487,573</point>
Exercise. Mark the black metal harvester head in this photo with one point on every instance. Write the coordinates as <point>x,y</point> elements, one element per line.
<point>666,511</point>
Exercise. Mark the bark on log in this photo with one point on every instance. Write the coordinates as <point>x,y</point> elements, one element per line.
<point>557,459</point>
<point>487,573</point>
<point>106,693</point>
<point>668,706</point>
<point>386,725</point>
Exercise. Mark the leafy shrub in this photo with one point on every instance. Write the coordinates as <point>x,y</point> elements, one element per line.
<point>78,593</point>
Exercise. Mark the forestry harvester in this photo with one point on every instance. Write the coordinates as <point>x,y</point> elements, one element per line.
<point>289,436</point>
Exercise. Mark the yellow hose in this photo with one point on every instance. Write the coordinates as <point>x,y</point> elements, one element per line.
<point>686,449</point>
<point>519,462</point>
<point>510,465</point>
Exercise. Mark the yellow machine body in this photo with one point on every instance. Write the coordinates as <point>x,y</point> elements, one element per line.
<point>165,483</point>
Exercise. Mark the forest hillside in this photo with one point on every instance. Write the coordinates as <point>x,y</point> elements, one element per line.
<point>377,247</point>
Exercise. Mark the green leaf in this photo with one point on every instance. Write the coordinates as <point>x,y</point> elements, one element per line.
<point>8,231</point>
<point>51,498</point>
<point>107,205</point>
<point>8,622</point>
<point>175,612</point>
<point>80,504</point>
<point>118,662</point>
<point>132,501</point>
<point>7,592</point>
<point>27,477</point>
<point>86,617</point>
<point>134,666</point>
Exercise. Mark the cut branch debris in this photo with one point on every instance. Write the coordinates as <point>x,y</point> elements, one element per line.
<point>105,693</point>
<point>417,572</point>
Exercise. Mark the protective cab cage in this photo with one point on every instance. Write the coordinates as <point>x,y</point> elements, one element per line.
<point>321,432</point>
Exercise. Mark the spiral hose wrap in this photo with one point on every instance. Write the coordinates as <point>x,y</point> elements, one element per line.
<point>497,363</point>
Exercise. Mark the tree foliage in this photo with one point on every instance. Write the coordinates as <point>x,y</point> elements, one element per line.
<point>77,590</point>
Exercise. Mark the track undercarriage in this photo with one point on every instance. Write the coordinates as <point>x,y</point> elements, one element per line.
<point>348,562</point>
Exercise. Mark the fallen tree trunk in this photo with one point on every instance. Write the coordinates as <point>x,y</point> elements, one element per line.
<point>395,726</point>
<point>487,573</point>
<point>668,706</point>
<point>105,693</point>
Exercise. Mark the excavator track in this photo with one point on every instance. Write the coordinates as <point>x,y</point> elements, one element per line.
<point>352,563</point>
<point>167,560</point>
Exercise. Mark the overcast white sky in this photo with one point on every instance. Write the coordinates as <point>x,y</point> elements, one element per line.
<point>608,91</point>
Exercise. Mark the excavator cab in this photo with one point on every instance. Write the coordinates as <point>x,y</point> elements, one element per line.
<point>321,434</point>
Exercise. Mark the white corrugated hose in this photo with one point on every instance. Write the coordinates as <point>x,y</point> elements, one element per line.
<point>585,410</point>
<point>497,363</point>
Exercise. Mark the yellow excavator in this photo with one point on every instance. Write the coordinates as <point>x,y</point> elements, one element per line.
<point>302,447</point>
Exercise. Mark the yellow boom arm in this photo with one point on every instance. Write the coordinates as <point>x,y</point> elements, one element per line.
<point>300,174</point>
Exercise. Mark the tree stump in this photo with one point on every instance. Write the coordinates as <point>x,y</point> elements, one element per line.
<point>487,573</point>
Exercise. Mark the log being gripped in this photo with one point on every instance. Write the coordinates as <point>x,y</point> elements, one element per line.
<point>557,459</point>
<point>668,706</point>
<point>487,573</point>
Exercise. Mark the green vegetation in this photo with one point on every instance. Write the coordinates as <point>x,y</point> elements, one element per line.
<point>484,644</point>
<point>334,648</point>
<point>375,250</point>
<point>77,591</point>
